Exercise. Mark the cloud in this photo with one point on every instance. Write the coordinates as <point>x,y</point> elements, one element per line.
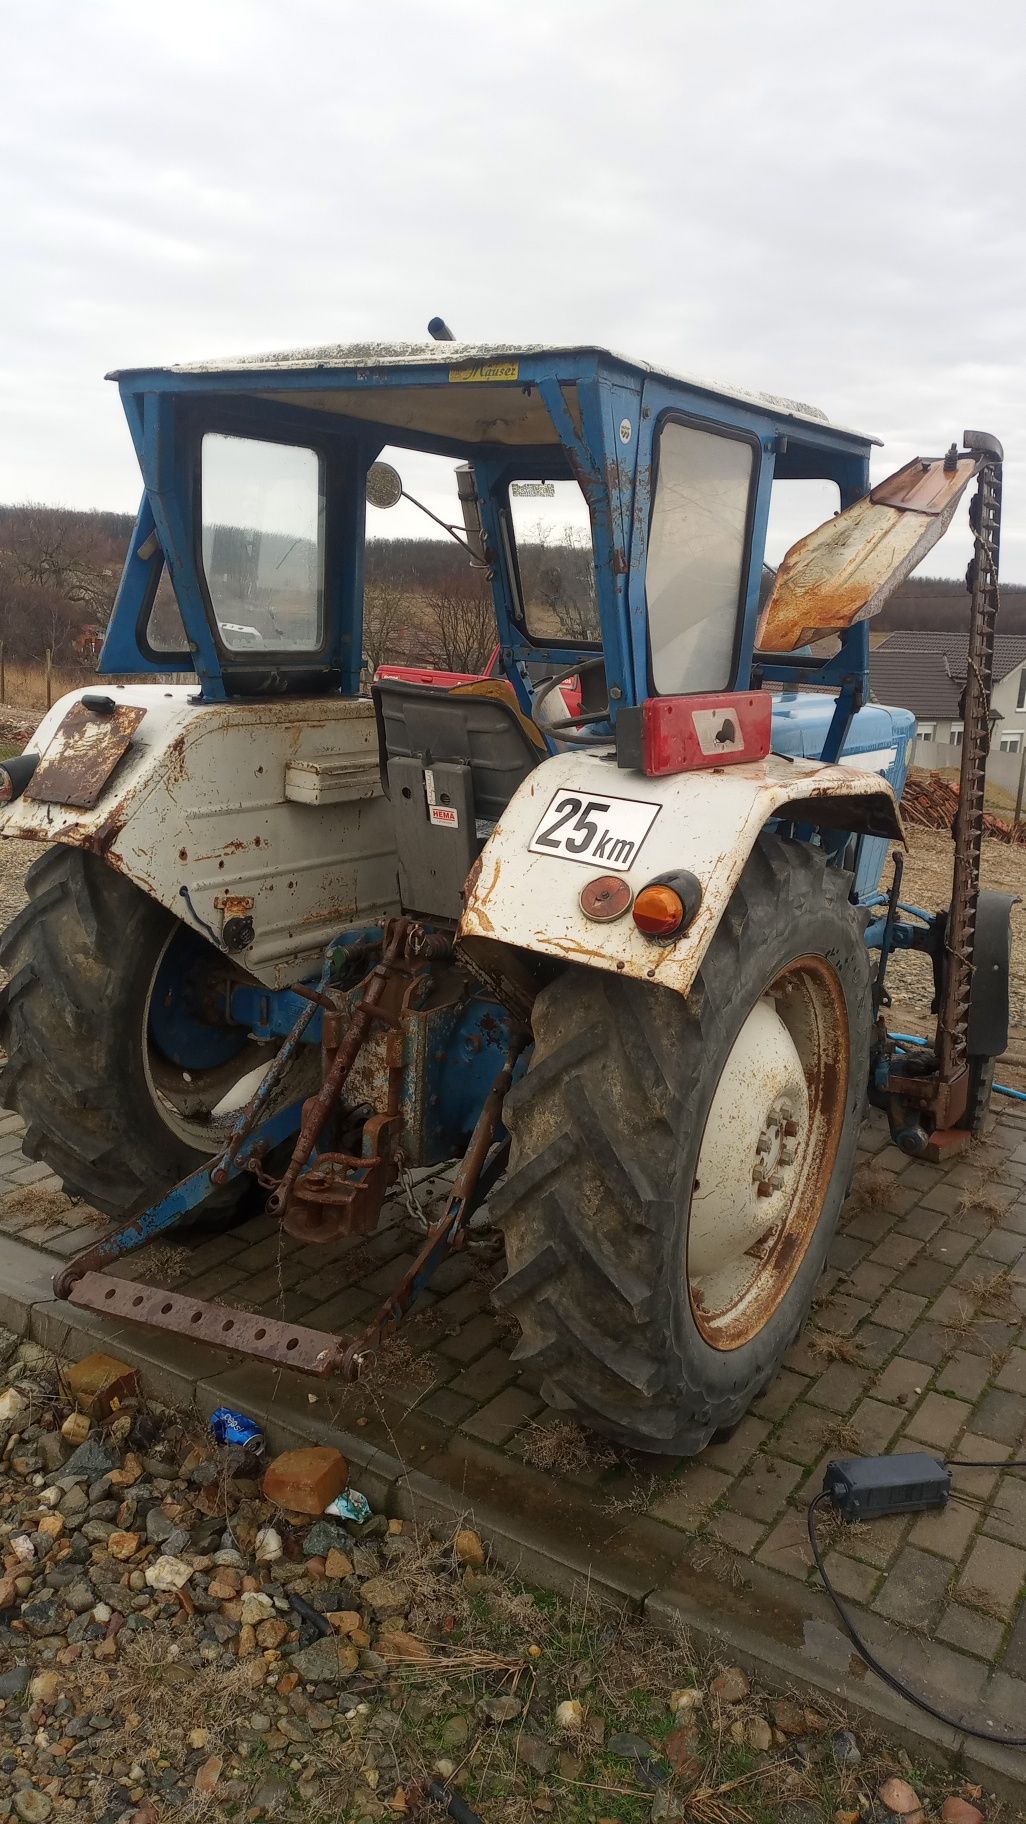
<point>815,202</point>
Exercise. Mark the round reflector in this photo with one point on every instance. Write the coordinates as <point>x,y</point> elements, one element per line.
<point>658,911</point>
<point>605,898</point>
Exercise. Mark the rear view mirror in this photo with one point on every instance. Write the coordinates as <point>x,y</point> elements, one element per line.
<point>384,485</point>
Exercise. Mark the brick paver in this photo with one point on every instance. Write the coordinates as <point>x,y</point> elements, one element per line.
<point>917,1341</point>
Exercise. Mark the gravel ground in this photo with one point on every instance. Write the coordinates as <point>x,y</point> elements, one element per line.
<point>175,1649</point>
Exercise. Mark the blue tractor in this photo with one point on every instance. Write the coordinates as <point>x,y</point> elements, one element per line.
<point>606,927</point>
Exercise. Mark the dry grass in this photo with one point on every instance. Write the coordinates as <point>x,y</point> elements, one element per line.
<point>25,684</point>
<point>564,1445</point>
<point>833,1348</point>
<point>842,1435</point>
<point>870,1189</point>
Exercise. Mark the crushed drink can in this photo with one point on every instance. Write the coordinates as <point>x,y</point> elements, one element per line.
<point>230,1427</point>
<point>350,1505</point>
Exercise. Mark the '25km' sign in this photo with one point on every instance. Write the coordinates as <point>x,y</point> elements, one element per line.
<point>606,830</point>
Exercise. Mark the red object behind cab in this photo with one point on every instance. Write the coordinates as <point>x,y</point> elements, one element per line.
<point>685,734</point>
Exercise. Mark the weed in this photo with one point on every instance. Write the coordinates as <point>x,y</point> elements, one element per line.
<point>833,1348</point>
<point>564,1445</point>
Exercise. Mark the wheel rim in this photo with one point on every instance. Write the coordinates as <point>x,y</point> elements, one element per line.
<point>767,1154</point>
<point>198,1100</point>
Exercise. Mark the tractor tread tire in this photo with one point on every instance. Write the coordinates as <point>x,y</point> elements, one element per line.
<point>589,1203</point>
<point>66,1014</point>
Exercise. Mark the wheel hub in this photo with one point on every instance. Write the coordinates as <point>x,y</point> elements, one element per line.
<point>767,1153</point>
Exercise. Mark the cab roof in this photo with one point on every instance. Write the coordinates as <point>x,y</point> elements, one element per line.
<point>379,361</point>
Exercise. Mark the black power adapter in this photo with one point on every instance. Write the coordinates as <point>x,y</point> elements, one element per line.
<point>866,1488</point>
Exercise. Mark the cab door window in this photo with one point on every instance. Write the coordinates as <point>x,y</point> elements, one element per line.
<point>262,512</point>
<point>697,552</point>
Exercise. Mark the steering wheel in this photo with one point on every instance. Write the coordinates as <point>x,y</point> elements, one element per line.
<point>580,721</point>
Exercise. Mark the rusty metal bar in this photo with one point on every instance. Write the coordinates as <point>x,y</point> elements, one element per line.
<point>268,1339</point>
<point>320,1106</point>
<point>960,933</point>
<point>449,1232</point>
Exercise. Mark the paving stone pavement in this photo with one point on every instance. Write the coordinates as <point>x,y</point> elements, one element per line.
<point>917,1341</point>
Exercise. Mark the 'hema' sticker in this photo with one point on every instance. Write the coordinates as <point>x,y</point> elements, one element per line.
<point>445,813</point>
<point>606,830</point>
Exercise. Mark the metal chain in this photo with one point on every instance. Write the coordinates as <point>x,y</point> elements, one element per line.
<point>408,1191</point>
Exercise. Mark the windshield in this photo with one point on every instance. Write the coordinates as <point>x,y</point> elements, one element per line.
<point>262,510</point>
<point>555,558</point>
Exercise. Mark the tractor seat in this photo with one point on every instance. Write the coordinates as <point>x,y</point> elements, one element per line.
<point>450,763</point>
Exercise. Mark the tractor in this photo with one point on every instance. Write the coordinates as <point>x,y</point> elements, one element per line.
<point>608,927</point>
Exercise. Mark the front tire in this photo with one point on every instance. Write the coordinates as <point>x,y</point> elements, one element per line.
<point>656,1285</point>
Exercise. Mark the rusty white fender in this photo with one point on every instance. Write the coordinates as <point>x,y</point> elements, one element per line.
<point>578,817</point>
<point>269,810</point>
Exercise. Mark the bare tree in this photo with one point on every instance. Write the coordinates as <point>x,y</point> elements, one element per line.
<point>463,621</point>
<point>384,608</point>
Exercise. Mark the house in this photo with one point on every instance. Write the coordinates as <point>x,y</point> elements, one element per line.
<point>925,672</point>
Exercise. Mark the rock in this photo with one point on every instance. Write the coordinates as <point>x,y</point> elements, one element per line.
<point>14,1681</point>
<point>34,1807</point>
<point>327,1661</point>
<point>123,1545</point>
<point>845,1750</point>
<point>385,1594</point>
<point>682,1748</point>
<point>536,1754</point>
<point>45,1688</point>
<point>760,1735</point>
<point>899,1797</point>
<point>272,1634</point>
<point>208,1775</point>
<point>8,1593</point>
<point>455,1732</point>
<point>158,1526</point>
<point>93,1458</point>
<point>12,1404</point>
<point>168,1573</point>
<point>688,1698</point>
<point>325,1537</point>
<point>268,1548</point>
<point>788,1717</point>
<point>304,1481</point>
<point>570,1715</point>
<point>42,1617</point>
<point>198,1738</point>
<point>99,1384</point>
<point>337,1565</point>
<point>959,1811</point>
<point>256,1607</point>
<point>468,1548</point>
<point>649,1769</point>
<point>403,1646</point>
<point>76,1428</point>
<point>502,1709</point>
<point>730,1686</point>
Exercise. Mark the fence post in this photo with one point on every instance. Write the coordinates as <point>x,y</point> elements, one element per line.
<point>1022,782</point>
<point>49,677</point>
<point>3,672</point>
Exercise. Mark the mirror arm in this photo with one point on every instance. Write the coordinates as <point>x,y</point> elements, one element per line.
<point>458,536</point>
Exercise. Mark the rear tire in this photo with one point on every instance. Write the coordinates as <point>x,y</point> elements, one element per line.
<point>82,957</point>
<point>608,1249</point>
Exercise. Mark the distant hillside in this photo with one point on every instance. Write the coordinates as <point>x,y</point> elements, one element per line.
<point>940,604</point>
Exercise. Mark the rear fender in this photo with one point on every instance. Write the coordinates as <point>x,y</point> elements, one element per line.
<point>519,895</point>
<point>268,813</point>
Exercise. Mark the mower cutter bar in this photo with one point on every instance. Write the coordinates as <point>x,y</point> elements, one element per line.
<point>267,1338</point>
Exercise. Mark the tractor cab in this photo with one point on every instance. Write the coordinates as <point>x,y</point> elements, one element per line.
<point>616,521</point>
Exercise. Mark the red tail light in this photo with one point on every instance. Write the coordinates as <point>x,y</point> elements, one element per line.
<point>684,734</point>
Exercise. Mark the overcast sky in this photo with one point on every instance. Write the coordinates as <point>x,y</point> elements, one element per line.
<point>820,201</point>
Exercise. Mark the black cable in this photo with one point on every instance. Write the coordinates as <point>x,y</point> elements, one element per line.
<point>891,1678</point>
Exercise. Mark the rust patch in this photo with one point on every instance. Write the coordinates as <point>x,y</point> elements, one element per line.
<point>82,755</point>
<point>492,884</point>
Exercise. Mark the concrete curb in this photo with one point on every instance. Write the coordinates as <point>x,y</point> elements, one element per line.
<point>546,1532</point>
